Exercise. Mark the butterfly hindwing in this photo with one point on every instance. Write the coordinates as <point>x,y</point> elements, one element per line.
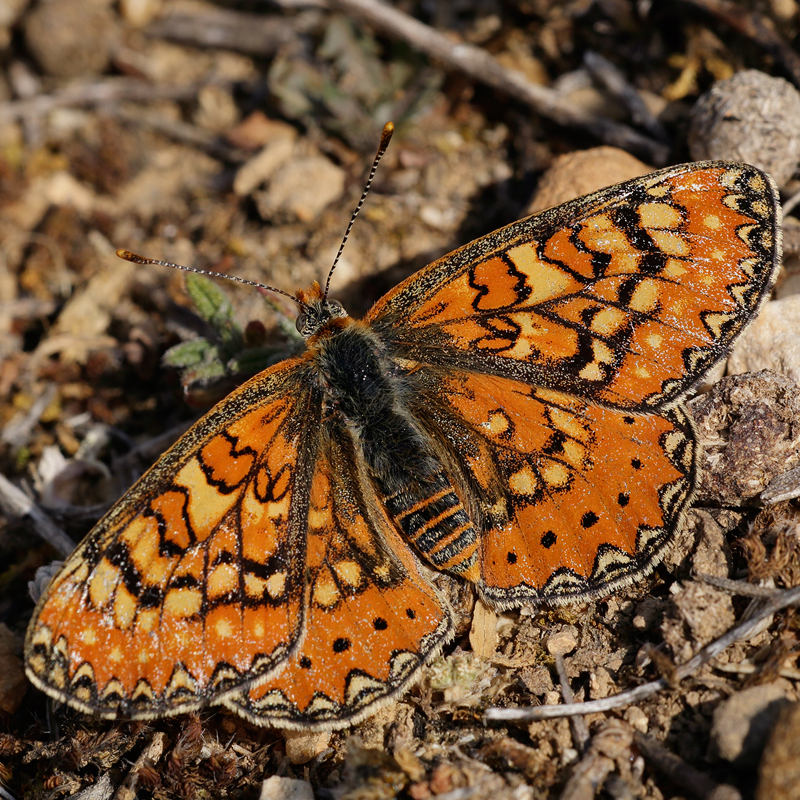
<point>190,587</point>
<point>372,618</point>
<point>567,511</point>
<point>624,298</point>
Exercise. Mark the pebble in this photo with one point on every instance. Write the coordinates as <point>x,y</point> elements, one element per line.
<point>751,117</point>
<point>772,341</point>
<point>66,49</point>
<point>563,641</point>
<point>583,172</point>
<point>742,722</point>
<point>779,771</point>
<point>303,746</point>
<point>301,189</point>
<point>277,788</point>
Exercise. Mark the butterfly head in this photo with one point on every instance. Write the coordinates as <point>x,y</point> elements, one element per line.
<point>316,310</point>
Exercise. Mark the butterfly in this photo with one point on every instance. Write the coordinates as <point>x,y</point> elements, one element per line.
<point>511,415</point>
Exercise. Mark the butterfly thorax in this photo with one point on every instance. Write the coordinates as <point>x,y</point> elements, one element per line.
<point>365,394</point>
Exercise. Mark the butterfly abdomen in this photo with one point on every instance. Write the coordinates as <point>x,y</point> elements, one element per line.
<point>405,470</point>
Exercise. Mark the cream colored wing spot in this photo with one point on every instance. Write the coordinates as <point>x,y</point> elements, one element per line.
<point>181,682</point>
<point>403,664</point>
<point>524,481</point>
<point>658,191</point>
<point>496,424</point>
<point>276,585</point>
<point>608,321</point>
<point>555,475</point>
<point>712,221</point>
<point>645,296</point>
<point>673,244</point>
<point>659,215</point>
<point>591,372</point>
<point>361,689</point>
<point>349,572</point>
<point>102,584</point>
<point>183,603</point>
<point>223,580</point>
<point>112,690</point>
<point>142,691</point>
<point>325,593</point>
<point>125,607</point>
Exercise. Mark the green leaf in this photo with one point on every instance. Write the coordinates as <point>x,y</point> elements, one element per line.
<point>214,307</point>
<point>191,354</point>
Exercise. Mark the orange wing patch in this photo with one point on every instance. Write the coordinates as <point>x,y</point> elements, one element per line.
<point>175,597</point>
<point>624,298</point>
<point>567,509</point>
<point>372,619</point>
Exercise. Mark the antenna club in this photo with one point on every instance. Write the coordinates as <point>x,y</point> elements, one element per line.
<point>386,135</point>
<point>132,257</point>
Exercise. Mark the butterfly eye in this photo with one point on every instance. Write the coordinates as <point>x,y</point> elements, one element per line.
<point>336,306</point>
<point>300,322</point>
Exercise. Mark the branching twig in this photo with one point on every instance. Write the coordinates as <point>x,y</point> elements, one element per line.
<point>16,503</point>
<point>616,84</point>
<point>481,66</point>
<point>786,598</point>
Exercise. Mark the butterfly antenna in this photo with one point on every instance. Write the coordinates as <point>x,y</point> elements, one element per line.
<point>386,137</point>
<point>137,259</point>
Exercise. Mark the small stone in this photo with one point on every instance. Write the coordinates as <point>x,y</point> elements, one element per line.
<point>537,680</point>
<point>583,172</point>
<point>276,788</point>
<point>637,719</point>
<point>751,117</point>
<point>779,771</point>
<point>302,746</point>
<point>648,612</point>
<point>66,49</point>
<point>301,189</point>
<point>563,641</point>
<point>601,684</point>
<point>772,341</point>
<point>139,13</point>
<point>742,722</point>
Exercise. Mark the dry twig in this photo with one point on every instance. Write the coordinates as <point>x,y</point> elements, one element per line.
<point>15,503</point>
<point>479,65</point>
<point>110,90</point>
<point>615,82</point>
<point>785,599</point>
<point>254,34</point>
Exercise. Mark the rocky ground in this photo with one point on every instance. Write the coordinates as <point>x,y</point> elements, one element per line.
<point>237,139</point>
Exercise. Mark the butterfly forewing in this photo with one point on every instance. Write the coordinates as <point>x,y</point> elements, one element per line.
<point>623,298</point>
<point>192,585</point>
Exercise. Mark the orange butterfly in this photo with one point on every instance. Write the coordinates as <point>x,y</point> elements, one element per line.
<point>511,414</point>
